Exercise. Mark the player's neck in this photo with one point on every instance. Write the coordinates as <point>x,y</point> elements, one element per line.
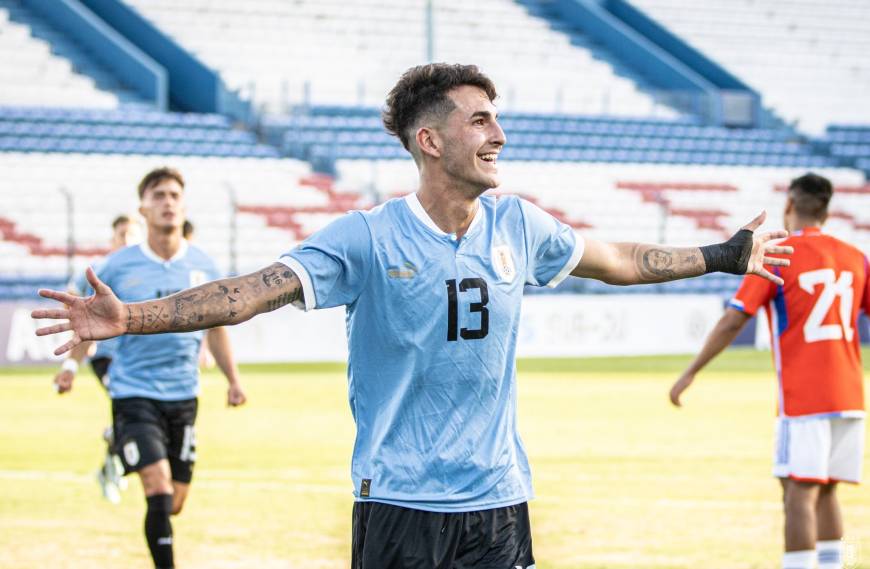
<point>799,224</point>
<point>451,209</point>
<point>165,244</point>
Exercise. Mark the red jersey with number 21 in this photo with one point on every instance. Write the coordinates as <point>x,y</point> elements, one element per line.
<point>813,322</point>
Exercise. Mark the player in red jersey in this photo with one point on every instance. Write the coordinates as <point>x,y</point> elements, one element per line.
<point>813,319</point>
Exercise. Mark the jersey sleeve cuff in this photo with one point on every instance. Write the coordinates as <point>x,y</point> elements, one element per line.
<point>576,255</point>
<point>738,305</point>
<point>309,301</point>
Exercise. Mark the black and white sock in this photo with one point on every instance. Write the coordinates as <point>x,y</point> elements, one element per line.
<point>158,530</point>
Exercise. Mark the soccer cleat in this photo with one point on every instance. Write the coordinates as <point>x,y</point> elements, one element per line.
<point>118,471</point>
<point>109,436</point>
<point>110,489</point>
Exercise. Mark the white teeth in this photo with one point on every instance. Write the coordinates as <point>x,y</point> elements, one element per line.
<point>489,157</point>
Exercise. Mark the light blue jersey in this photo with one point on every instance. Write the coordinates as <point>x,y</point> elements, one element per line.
<point>432,327</point>
<point>79,285</point>
<point>159,366</point>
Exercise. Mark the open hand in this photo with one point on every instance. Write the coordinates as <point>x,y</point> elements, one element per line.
<point>96,317</point>
<point>762,247</point>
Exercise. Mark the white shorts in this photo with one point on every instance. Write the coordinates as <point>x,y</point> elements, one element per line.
<point>819,449</point>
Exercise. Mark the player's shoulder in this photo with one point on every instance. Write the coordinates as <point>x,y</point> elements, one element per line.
<point>826,241</point>
<point>502,205</point>
<point>122,255</point>
<point>390,213</point>
<point>195,253</point>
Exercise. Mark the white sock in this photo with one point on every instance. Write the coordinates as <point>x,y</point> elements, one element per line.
<point>799,559</point>
<point>830,554</point>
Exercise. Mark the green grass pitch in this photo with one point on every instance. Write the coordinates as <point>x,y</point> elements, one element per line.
<point>623,480</point>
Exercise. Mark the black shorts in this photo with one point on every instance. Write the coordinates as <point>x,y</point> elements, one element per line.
<point>148,430</point>
<point>391,537</point>
<point>101,368</point>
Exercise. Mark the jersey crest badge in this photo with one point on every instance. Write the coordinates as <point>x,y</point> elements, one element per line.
<point>131,453</point>
<point>197,278</point>
<point>504,262</point>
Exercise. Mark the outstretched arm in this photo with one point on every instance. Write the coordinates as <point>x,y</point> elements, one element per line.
<point>731,323</point>
<point>637,263</point>
<point>217,303</point>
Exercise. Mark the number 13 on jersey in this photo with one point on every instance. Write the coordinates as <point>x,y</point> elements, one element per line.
<point>453,331</point>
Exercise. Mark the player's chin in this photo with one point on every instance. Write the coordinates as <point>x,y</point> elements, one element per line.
<point>488,180</point>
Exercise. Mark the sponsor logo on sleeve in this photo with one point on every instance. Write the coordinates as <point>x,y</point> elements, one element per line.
<point>197,278</point>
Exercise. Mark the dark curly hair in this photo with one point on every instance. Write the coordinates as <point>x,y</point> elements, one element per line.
<point>811,194</point>
<point>422,91</point>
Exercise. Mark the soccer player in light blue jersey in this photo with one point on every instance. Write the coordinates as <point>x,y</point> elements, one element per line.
<point>432,284</point>
<point>154,380</point>
<point>110,475</point>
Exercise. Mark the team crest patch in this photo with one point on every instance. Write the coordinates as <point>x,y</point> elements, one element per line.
<point>131,453</point>
<point>504,262</point>
<point>197,278</point>
<point>406,271</point>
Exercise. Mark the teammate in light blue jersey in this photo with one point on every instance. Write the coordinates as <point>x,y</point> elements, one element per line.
<point>154,380</point>
<point>433,286</point>
<point>110,474</point>
<point>165,367</point>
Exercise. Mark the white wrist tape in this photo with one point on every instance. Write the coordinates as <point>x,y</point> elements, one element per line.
<point>70,364</point>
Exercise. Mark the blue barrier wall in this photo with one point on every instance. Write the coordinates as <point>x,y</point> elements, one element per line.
<point>133,67</point>
<point>687,79</point>
<point>688,55</point>
<point>658,67</point>
<point>193,87</point>
<point>676,47</point>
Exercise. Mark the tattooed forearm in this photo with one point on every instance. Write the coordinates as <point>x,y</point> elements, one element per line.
<point>219,303</point>
<point>659,264</point>
<point>276,277</point>
<point>284,299</point>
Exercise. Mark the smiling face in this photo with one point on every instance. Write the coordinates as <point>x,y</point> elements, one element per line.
<point>472,140</point>
<point>162,205</point>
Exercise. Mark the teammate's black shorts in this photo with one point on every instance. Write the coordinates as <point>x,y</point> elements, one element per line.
<point>391,537</point>
<point>101,368</point>
<point>148,430</point>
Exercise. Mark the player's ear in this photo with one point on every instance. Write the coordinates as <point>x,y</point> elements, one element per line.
<point>428,141</point>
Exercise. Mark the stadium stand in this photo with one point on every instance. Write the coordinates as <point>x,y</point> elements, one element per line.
<point>325,134</point>
<point>127,131</point>
<point>806,58</point>
<point>48,69</point>
<point>587,141</point>
<point>350,53</point>
<point>34,224</point>
<point>851,144</point>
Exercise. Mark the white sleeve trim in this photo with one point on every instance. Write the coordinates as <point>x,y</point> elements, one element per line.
<point>579,247</point>
<point>307,289</point>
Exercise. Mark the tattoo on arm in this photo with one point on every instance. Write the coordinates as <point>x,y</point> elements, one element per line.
<point>227,301</point>
<point>284,299</point>
<point>660,264</point>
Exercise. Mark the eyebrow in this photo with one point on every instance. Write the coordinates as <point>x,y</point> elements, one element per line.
<point>485,114</point>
